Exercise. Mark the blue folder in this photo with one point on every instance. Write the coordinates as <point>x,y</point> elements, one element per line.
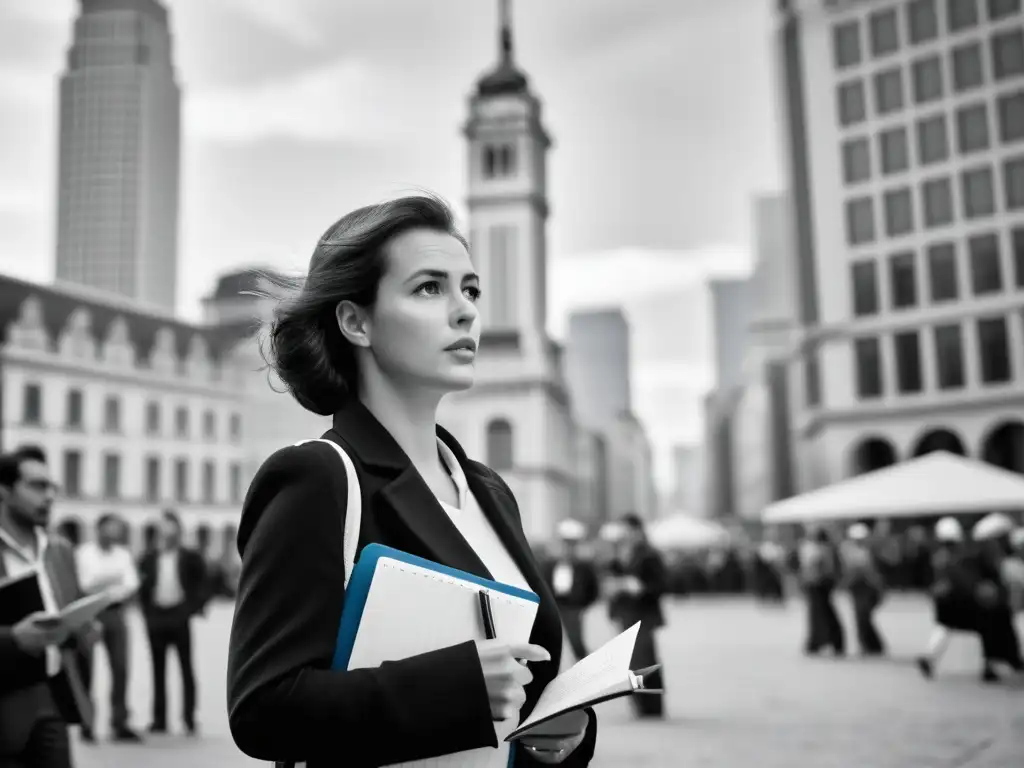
<point>359,590</point>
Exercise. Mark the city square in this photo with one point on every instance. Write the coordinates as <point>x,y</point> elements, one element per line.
<point>739,693</point>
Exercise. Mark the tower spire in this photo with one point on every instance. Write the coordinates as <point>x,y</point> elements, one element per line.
<point>505,40</point>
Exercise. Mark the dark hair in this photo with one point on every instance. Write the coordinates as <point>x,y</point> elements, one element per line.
<point>10,463</point>
<point>173,518</point>
<point>307,350</point>
<point>632,520</point>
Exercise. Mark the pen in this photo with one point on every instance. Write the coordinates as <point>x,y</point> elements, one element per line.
<point>486,615</point>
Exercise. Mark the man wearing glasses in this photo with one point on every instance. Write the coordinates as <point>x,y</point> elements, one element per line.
<point>40,685</point>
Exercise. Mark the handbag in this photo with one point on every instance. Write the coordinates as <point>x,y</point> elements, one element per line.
<point>353,518</point>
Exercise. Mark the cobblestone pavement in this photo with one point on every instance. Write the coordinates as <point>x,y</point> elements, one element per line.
<point>738,694</point>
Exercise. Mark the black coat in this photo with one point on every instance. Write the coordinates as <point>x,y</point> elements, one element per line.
<point>284,701</point>
<point>191,574</point>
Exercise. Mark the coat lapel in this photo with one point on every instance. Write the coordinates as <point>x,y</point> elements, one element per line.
<point>397,493</point>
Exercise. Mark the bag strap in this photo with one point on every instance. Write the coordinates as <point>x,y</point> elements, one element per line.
<point>353,518</point>
<point>353,508</point>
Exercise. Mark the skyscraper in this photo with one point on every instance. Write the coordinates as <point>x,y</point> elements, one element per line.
<point>597,366</point>
<point>117,192</point>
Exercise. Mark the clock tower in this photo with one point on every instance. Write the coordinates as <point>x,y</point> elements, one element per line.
<point>517,417</point>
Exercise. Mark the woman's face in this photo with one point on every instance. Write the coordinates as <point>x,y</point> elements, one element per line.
<point>424,329</point>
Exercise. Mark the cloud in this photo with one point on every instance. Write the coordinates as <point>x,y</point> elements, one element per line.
<point>23,88</point>
<point>285,17</point>
<point>47,12</point>
<point>346,100</point>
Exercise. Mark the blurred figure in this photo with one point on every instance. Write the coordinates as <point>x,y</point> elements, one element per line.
<point>172,593</point>
<point>573,581</point>
<point>999,639</point>
<point>863,579</point>
<point>637,580</point>
<point>1013,571</point>
<point>819,574</point>
<point>769,569</point>
<point>107,564</point>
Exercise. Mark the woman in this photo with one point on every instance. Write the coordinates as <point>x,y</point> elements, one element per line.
<point>383,327</point>
<point>819,573</point>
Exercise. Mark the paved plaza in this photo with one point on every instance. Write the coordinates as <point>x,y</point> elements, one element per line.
<point>739,694</point>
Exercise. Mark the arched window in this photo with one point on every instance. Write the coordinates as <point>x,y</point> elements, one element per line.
<point>499,445</point>
<point>508,160</point>
<point>490,162</point>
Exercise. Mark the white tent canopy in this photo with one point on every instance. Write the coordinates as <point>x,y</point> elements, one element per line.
<point>938,483</point>
<point>684,532</point>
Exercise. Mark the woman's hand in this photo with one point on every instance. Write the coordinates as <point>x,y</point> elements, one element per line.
<point>555,740</point>
<point>506,678</point>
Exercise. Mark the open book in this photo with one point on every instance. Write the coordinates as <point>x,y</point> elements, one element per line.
<point>22,595</point>
<point>601,676</point>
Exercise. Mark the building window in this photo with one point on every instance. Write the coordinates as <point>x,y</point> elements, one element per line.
<point>856,160</point>
<point>967,68</point>
<point>869,367</point>
<point>153,479</point>
<point>75,416</point>
<point>209,425</point>
<point>899,212</point>
<point>1013,182</point>
<point>152,418</point>
<point>922,20</point>
<point>181,421</point>
<point>1017,243</point>
<point>73,474</point>
<point>998,9</point>
<point>972,128</point>
<point>888,91</point>
<point>979,199</point>
<point>812,380</point>
<point>852,107</point>
<point>927,80</point>
<point>111,476</point>
<point>112,414</point>
<point>499,161</point>
<point>1011,117</point>
<point>500,454</point>
<point>32,405</point>
<point>949,356</point>
<point>181,480</point>
<point>865,287</point>
<point>903,280</point>
<point>1008,53</point>
<point>885,38</point>
<point>846,44</point>
<point>908,362</point>
<point>236,427</point>
<point>961,14</point>
<point>994,349</point>
<point>235,475</point>
<point>938,202</point>
<point>932,140</point>
<point>860,221</point>
<point>986,275</point>
<point>893,148</point>
<point>209,482</point>
<point>942,279</point>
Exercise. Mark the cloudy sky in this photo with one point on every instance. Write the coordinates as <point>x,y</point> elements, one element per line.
<point>295,111</point>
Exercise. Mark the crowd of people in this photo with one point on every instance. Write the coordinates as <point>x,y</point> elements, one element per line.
<point>46,669</point>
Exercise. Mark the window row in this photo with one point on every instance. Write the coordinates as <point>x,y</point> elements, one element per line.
<point>971,127</point>
<point>153,489</point>
<point>993,350</point>
<point>112,418</point>
<point>920,25</point>
<point>984,267</point>
<point>927,81</point>
<point>978,200</point>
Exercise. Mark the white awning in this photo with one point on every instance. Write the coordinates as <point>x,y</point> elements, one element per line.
<point>938,483</point>
<point>682,532</point>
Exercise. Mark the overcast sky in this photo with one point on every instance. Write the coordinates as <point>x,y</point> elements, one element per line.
<point>296,111</point>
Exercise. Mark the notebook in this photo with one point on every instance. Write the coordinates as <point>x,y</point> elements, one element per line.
<point>21,596</point>
<point>437,607</point>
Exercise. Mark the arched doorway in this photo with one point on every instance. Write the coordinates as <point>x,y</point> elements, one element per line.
<point>871,454</point>
<point>1004,446</point>
<point>940,440</point>
<point>150,536</point>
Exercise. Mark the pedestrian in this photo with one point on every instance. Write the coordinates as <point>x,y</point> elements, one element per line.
<point>819,575</point>
<point>1000,642</point>
<point>107,564</point>
<point>863,580</point>
<point>384,325</point>
<point>172,593</point>
<point>636,583</point>
<point>573,581</point>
